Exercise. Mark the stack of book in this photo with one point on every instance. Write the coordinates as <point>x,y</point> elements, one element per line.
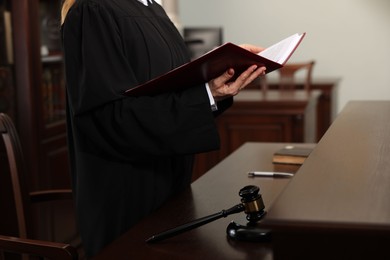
<point>291,157</point>
<point>53,91</point>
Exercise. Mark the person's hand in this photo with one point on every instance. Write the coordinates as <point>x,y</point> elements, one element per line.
<point>222,87</point>
<point>252,48</point>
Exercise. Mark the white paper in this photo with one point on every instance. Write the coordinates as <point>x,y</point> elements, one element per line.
<point>281,51</point>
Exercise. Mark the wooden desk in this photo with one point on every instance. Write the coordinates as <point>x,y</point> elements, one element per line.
<point>216,190</point>
<point>327,103</point>
<point>256,116</point>
<point>335,207</point>
<point>338,205</point>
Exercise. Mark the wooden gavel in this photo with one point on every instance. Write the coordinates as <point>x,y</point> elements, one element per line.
<point>251,203</point>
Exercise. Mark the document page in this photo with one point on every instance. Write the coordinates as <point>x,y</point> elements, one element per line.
<point>281,51</point>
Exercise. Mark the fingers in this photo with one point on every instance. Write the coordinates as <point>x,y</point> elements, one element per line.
<point>248,76</point>
<point>252,48</point>
<point>225,77</point>
<point>222,86</point>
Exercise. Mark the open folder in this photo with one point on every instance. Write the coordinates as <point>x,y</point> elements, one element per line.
<point>214,63</point>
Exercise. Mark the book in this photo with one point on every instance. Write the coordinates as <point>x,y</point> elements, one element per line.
<point>8,37</point>
<point>6,45</point>
<point>291,154</point>
<point>215,62</point>
<point>284,167</point>
<point>3,42</point>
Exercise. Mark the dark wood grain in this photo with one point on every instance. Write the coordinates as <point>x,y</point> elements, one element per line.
<point>257,116</point>
<point>338,203</point>
<point>327,105</point>
<point>335,207</point>
<point>214,191</point>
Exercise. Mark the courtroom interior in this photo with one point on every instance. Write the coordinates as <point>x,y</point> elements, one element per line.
<point>309,141</point>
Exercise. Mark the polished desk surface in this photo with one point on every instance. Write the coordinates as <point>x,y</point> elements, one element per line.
<point>216,190</point>
<point>338,202</point>
<point>335,207</point>
<point>263,116</point>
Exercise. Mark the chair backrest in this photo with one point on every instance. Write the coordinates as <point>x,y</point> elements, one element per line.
<point>13,185</point>
<point>36,248</point>
<point>287,73</point>
<point>16,202</point>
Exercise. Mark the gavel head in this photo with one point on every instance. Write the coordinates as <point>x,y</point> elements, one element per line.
<point>253,203</point>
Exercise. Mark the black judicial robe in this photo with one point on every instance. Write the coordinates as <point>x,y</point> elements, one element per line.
<point>128,155</point>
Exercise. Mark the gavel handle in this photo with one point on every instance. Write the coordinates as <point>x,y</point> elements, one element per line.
<point>194,224</point>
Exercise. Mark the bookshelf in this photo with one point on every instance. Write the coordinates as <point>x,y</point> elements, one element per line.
<point>53,84</point>
<point>32,87</point>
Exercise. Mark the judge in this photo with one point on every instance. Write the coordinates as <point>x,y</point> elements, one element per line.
<point>128,155</point>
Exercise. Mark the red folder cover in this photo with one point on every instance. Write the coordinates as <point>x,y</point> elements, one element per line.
<point>207,67</point>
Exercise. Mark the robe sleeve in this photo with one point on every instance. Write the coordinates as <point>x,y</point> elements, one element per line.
<point>112,125</point>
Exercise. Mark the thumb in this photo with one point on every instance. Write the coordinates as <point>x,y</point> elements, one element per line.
<point>222,79</point>
<point>228,74</point>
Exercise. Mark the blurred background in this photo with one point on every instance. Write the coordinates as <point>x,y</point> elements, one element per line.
<point>348,39</point>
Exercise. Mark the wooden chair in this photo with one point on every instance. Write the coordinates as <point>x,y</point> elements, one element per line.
<point>288,75</point>
<point>36,248</point>
<point>16,202</point>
